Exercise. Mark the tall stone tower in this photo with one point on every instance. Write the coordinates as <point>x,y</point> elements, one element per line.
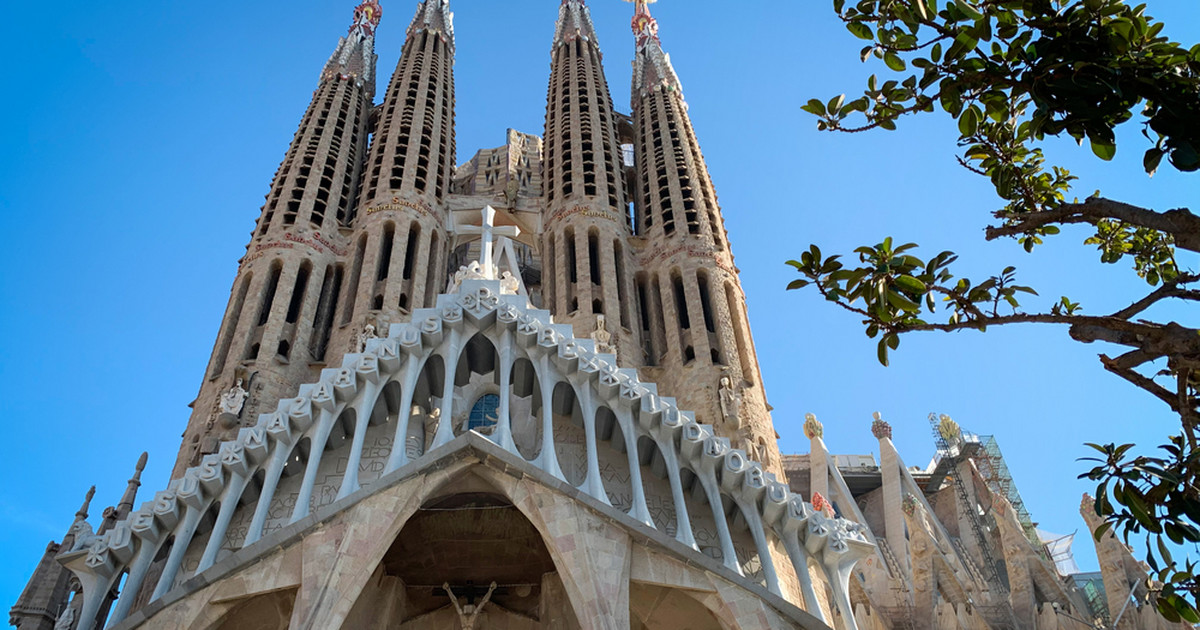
<point>693,311</point>
<point>280,317</point>
<point>586,230</point>
<point>400,239</point>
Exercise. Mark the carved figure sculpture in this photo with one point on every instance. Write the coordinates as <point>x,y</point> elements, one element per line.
<point>509,283</point>
<point>475,271</point>
<point>731,403</point>
<point>469,614</point>
<point>66,621</point>
<point>360,340</point>
<point>602,337</point>
<point>231,404</point>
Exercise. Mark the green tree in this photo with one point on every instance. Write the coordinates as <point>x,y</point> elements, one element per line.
<point>1012,73</point>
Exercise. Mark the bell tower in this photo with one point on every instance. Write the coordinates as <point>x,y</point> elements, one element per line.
<point>400,245</point>
<point>586,231</point>
<point>277,325</point>
<point>693,315</point>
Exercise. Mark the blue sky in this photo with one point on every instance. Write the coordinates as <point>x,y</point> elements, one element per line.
<point>139,139</point>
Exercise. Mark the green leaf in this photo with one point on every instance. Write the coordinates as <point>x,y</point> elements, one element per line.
<point>968,122</point>
<point>1151,160</point>
<point>882,352</point>
<point>1104,149</point>
<point>909,283</point>
<point>968,10</point>
<point>814,107</point>
<point>919,6</point>
<point>860,30</point>
<point>797,284</point>
<point>899,301</point>
<point>894,61</point>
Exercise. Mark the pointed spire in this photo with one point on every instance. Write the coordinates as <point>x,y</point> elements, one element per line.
<point>434,16</point>
<point>366,18</point>
<point>355,54</point>
<point>645,27</point>
<point>135,482</point>
<point>114,514</point>
<point>574,22</point>
<point>651,66</point>
<point>82,514</point>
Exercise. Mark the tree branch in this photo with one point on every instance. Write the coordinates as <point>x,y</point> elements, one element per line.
<point>1181,224</point>
<point>1167,290</point>
<point>1156,390</point>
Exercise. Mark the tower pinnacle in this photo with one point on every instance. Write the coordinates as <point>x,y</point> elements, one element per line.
<point>574,22</point>
<point>645,27</point>
<point>651,66</point>
<point>366,18</point>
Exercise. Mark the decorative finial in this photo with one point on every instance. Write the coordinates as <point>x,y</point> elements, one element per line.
<point>822,505</point>
<point>82,514</point>
<point>813,428</point>
<point>366,17</point>
<point>909,504</point>
<point>948,429</point>
<point>141,465</point>
<point>643,24</point>
<point>879,428</point>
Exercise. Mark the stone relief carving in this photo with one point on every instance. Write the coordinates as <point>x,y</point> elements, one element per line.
<point>731,403</point>
<point>361,339</point>
<point>509,284</point>
<point>231,404</point>
<point>602,337</point>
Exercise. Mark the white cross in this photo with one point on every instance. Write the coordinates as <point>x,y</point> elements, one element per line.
<point>488,231</point>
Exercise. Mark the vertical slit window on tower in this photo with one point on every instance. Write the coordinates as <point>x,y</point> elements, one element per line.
<point>297,301</point>
<point>352,287</point>
<point>644,312</point>
<point>739,332</point>
<point>331,284</point>
<point>431,275</point>
<point>680,300</point>
<point>385,252</point>
<point>410,250</point>
<point>623,303</point>
<point>264,311</point>
<point>231,324</point>
<point>594,256</point>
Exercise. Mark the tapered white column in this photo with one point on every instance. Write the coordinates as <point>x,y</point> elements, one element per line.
<point>274,470</point>
<point>316,449</point>
<point>364,406</point>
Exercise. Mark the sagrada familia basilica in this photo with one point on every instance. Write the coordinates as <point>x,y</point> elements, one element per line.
<point>522,393</point>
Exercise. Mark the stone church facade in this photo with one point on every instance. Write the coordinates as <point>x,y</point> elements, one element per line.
<point>522,393</point>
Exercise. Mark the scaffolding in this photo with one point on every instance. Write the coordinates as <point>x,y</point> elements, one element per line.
<point>994,470</point>
<point>953,448</point>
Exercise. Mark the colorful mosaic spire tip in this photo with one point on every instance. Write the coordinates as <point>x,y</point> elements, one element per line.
<point>643,24</point>
<point>366,17</point>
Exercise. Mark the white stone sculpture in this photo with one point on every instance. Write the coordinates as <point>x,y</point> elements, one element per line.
<point>66,621</point>
<point>602,337</point>
<point>469,614</point>
<point>731,403</point>
<point>509,284</point>
<point>231,404</point>
<point>361,339</point>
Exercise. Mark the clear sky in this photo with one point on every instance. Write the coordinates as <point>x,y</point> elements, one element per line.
<point>139,139</point>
